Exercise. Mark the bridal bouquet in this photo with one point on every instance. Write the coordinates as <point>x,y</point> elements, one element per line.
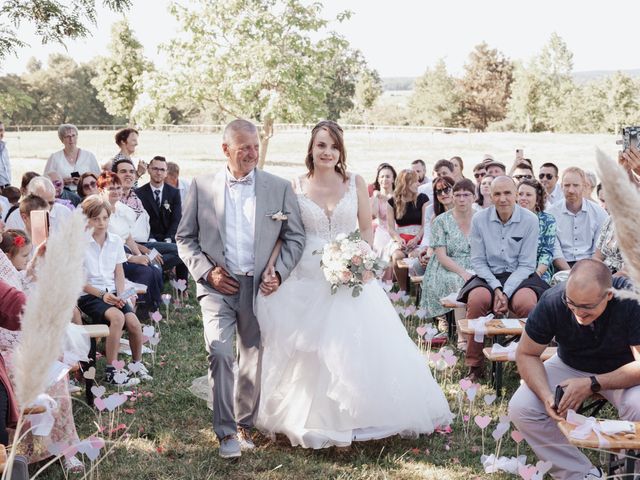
<point>349,261</point>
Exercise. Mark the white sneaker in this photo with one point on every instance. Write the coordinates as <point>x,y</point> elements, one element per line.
<point>141,371</point>
<point>73,386</point>
<point>594,473</point>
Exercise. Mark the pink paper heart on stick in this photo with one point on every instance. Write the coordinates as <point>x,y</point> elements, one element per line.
<point>500,430</point>
<point>482,421</point>
<point>465,383</point>
<point>148,331</point>
<point>99,404</point>
<point>421,331</point>
<point>543,467</point>
<point>90,374</point>
<point>114,400</point>
<point>156,316</point>
<point>98,391</point>
<point>517,436</point>
<point>87,449</point>
<point>489,399</point>
<point>118,364</point>
<point>181,284</point>
<point>527,471</point>
<point>155,340</point>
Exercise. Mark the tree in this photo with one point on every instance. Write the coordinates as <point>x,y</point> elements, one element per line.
<point>53,20</point>
<point>368,89</point>
<point>523,108</point>
<point>262,60</point>
<point>118,77</point>
<point>435,100</point>
<point>14,97</point>
<point>621,102</point>
<point>555,67</point>
<point>59,93</point>
<point>486,86</point>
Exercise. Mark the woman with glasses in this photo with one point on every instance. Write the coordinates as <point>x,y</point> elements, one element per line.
<point>71,162</point>
<point>88,185</point>
<point>122,222</point>
<point>405,215</point>
<point>532,196</point>
<point>382,193</point>
<point>484,193</point>
<point>449,266</point>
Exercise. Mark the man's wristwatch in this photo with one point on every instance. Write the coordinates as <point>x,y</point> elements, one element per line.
<point>595,385</point>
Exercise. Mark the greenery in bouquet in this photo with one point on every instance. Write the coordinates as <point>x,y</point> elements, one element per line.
<point>349,261</point>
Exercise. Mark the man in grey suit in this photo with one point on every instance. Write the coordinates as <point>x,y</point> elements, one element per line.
<point>230,224</point>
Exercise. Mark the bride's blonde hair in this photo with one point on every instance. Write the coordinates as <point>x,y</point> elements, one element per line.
<point>401,194</point>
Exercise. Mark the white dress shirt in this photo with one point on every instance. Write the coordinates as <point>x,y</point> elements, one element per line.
<point>240,216</point>
<point>554,197</point>
<point>86,162</point>
<point>5,166</point>
<point>122,221</point>
<point>577,233</point>
<point>100,262</point>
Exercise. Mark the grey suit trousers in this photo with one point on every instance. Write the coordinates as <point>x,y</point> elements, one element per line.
<point>222,316</point>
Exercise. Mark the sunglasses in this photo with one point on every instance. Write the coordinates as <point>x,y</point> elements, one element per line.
<point>443,191</point>
<point>90,184</point>
<point>57,183</point>
<point>479,175</point>
<point>548,176</point>
<point>520,177</point>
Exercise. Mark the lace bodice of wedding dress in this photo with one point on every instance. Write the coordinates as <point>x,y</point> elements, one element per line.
<point>318,223</point>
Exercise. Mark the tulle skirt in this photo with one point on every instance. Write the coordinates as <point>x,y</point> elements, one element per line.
<point>337,368</point>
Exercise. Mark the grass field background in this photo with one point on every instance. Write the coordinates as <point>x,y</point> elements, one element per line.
<point>198,153</point>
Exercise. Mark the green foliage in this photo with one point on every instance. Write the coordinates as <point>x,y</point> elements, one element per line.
<point>436,98</point>
<point>269,60</point>
<point>118,77</point>
<point>53,20</point>
<point>486,87</point>
<point>60,93</point>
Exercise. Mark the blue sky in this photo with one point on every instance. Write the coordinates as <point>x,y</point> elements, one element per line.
<point>404,37</point>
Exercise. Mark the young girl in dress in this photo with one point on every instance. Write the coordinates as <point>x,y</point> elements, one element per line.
<point>17,247</point>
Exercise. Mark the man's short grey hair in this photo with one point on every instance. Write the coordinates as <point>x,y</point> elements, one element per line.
<point>591,178</point>
<point>237,125</point>
<point>173,168</point>
<point>64,128</point>
<point>40,183</point>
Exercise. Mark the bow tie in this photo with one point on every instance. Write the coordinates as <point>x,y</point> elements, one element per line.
<point>242,181</point>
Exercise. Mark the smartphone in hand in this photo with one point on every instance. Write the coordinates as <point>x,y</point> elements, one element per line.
<point>39,226</point>
<point>557,397</point>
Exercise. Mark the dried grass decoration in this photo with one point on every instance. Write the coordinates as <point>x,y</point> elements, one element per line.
<point>622,198</point>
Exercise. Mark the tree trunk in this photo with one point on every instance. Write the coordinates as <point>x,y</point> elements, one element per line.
<point>266,132</point>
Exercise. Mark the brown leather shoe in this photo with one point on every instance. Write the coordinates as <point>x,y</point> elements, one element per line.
<point>245,439</point>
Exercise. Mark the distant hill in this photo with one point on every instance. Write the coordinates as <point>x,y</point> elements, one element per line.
<point>592,75</point>
<point>406,83</point>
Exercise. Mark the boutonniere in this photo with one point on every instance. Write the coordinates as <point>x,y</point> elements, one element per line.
<point>279,216</point>
<point>166,206</point>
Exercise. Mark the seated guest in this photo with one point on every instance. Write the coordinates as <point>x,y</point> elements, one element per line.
<point>504,239</point>
<point>444,168</point>
<point>607,250</point>
<point>10,201</point>
<point>531,195</point>
<point>424,182</point>
<point>495,169</point>
<point>176,181</point>
<point>442,202</point>
<point>71,161</point>
<point>578,221</point>
<point>137,268</point>
<point>102,300</point>
<point>458,167</point>
<point>484,193</point>
<point>63,196</point>
<point>12,303</point>
<point>405,215</point>
<point>448,267</point>
<point>63,430</point>
<point>126,172</point>
<point>598,338</point>
<point>522,171</point>
<point>162,204</point>
<point>601,200</point>
<point>548,176</point>
<point>479,171</point>
<point>383,191</point>
<point>591,181</point>
<point>88,185</point>
<point>24,181</point>
<point>43,188</point>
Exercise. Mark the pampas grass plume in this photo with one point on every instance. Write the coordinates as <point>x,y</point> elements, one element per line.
<point>48,311</point>
<point>622,199</point>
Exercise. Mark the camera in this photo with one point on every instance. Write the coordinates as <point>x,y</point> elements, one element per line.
<point>630,136</point>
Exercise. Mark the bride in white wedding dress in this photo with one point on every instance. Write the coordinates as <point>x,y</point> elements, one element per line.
<point>337,368</point>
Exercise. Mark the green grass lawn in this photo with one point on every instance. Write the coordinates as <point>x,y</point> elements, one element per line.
<point>169,433</point>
